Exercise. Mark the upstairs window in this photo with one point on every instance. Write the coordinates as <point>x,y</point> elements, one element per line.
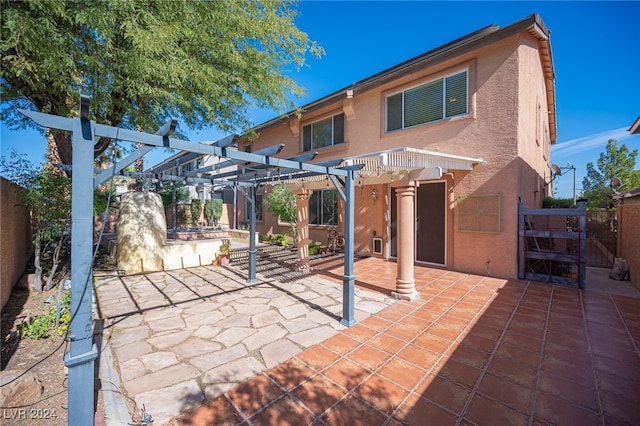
<point>326,132</point>
<point>436,100</point>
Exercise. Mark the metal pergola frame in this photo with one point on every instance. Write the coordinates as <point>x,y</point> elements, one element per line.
<point>83,352</point>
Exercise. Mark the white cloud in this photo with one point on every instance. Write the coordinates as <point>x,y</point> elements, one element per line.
<point>568,149</point>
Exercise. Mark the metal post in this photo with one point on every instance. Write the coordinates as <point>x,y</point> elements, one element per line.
<point>583,243</point>
<point>174,207</point>
<point>348,279</point>
<point>80,358</point>
<point>252,240</point>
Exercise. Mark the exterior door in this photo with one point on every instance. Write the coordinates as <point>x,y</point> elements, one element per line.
<point>431,222</point>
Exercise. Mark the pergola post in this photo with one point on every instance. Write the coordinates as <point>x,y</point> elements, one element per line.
<point>348,280</point>
<point>80,358</point>
<point>252,232</point>
<point>302,229</point>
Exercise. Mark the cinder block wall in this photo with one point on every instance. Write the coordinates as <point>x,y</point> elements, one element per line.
<point>15,238</point>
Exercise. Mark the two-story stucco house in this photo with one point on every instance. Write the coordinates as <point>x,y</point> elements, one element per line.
<point>451,140</point>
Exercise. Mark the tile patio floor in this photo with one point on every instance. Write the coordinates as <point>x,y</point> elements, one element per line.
<point>471,350</point>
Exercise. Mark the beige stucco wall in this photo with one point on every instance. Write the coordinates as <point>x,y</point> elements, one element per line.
<point>15,239</point>
<point>505,86</point>
<point>628,241</point>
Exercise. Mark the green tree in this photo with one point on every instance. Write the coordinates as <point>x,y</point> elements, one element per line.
<point>47,195</point>
<point>616,162</point>
<point>205,62</point>
<point>282,203</point>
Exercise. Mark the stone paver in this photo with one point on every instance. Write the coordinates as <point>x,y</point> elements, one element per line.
<point>176,346</point>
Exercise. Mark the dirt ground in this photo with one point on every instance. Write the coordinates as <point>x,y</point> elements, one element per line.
<point>44,357</point>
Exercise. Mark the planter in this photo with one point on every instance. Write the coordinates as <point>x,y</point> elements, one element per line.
<point>224,259</point>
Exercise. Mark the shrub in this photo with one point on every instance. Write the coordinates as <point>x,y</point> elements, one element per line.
<point>44,325</point>
<point>314,248</point>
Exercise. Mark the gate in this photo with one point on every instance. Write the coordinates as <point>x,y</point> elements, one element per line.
<point>552,245</point>
<point>602,232</point>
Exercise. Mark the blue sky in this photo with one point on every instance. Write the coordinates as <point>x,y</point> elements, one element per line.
<point>594,47</point>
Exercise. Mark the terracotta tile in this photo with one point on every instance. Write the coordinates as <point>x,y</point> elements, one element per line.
<point>567,330</point>
<point>444,332</point>
<point>404,307</point>
<point>318,357</point>
<point>341,343</point>
<point>284,412</point>
<point>566,354</point>
<point>432,342</point>
<point>486,411</point>
<point>381,393</point>
<point>426,314</point>
<point>318,394</point>
<point>290,374</point>
<point>451,321</point>
<point>448,394</point>
<point>469,355</point>
<point>419,411</point>
<point>376,323</point>
<point>346,373</point>
<point>478,342</point>
<point>525,330</point>
<point>442,301</point>
<point>509,393</point>
<point>518,354</point>
<point>508,369</point>
<point>472,308</point>
<point>574,343</point>
<point>485,331</point>
<point>402,373</point>
<point>386,343</point>
<point>617,361</point>
<point>628,387</point>
<point>254,394</point>
<point>216,412</point>
<point>464,315</point>
<point>566,369</point>
<point>535,314</point>
<point>602,341</point>
<point>369,357</point>
<point>359,332</point>
<point>572,321</point>
<point>403,333</point>
<point>525,342</point>
<point>495,321</point>
<point>414,322</point>
<point>557,411</point>
<point>354,412</point>
<point>566,389</point>
<point>625,409</point>
<point>418,356</point>
<point>459,372</point>
<point>390,315</point>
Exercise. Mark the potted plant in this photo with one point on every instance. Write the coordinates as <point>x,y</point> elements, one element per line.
<point>225,253</point>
